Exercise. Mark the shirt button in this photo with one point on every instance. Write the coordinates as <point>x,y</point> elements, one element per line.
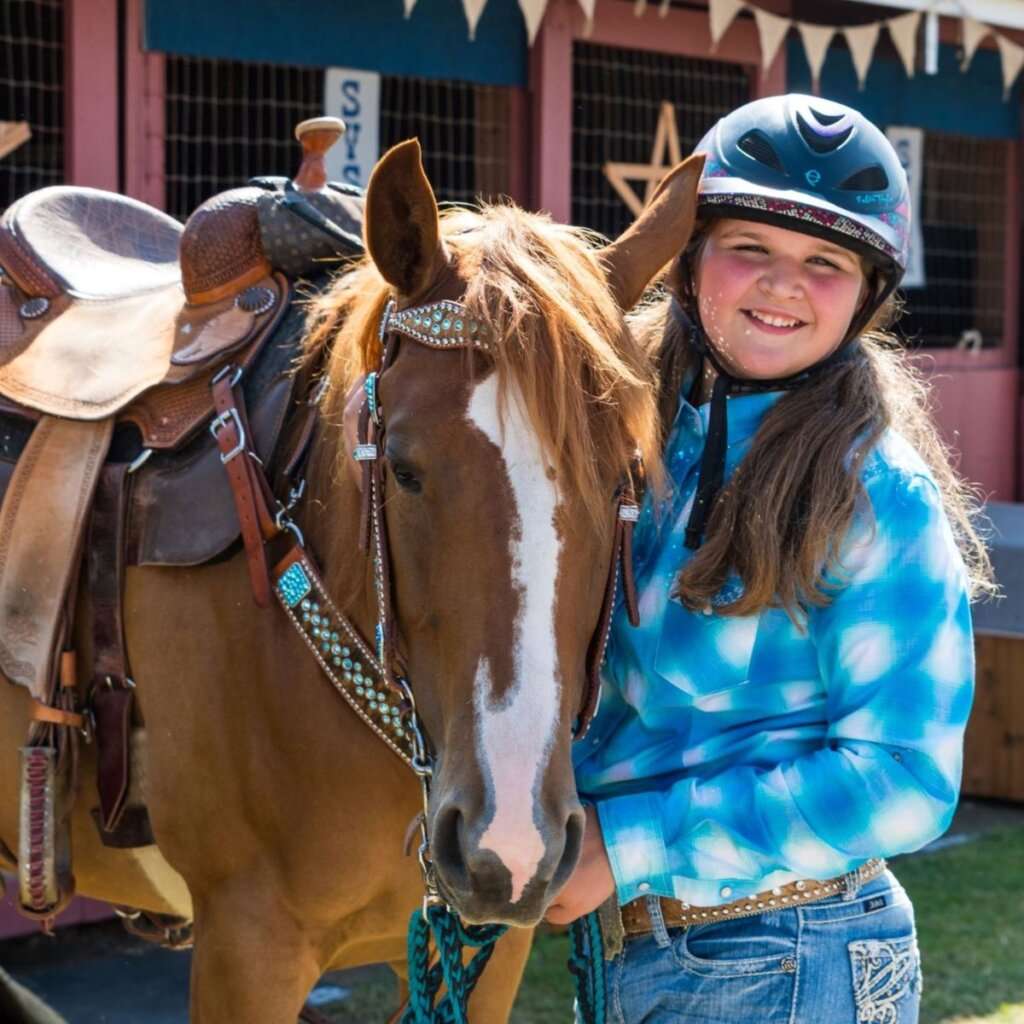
<point>644,886</point>
<point>725,892</point>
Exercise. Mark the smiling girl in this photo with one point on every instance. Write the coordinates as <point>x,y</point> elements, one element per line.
<point>791,709</point>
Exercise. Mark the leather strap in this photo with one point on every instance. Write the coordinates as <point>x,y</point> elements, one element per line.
<point>56,716</point>
<point>42,524</point>
<point>112,707</point>
<point>105,573</point>
<point>248,484</point>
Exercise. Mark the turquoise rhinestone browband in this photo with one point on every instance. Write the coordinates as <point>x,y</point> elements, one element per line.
<point>444,324</point>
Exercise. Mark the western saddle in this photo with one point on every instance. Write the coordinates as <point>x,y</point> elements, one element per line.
<point>123,335</point>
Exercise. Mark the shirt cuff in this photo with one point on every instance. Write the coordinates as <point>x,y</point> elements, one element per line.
<point>633,838</point>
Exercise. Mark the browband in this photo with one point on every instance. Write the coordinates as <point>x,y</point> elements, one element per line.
<point>444,324</point>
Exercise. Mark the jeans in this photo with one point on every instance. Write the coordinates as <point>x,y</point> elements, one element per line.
<point>840,960</point>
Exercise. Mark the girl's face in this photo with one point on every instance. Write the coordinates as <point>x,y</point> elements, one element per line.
<point>773,301</point>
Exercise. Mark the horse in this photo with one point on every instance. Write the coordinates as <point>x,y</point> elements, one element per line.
<point>281,821</point>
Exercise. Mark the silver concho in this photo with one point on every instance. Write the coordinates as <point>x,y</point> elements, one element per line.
<point>34,308</point>
<point>256,300</point>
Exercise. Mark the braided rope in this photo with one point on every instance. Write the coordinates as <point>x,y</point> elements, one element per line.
<point>450,937</point>
<point>586,965</point>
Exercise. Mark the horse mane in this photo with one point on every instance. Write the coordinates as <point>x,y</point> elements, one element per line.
<point>586,384</point>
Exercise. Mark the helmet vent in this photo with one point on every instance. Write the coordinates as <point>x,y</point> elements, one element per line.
<point>867,179</point>
<point>755,144</point>
<point>826,118</point>
<point>822,141</point>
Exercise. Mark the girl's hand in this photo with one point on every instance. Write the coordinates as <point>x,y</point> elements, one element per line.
<point>592,881</point>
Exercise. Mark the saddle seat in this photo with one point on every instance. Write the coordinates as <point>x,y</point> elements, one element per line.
<point>94,244</point>
<point>93,307</point>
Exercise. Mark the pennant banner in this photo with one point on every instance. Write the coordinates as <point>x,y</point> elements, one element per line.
<point>408,5</point>
<point>862,41</point>
<point>588,11</point>
<point>638,7</point>
<point>904,36</point>
<point>665,5</point>
<point>973,33</point>
<point>771,30</point>
<point>533,12</point>
<point>1013,60</point>
<point>816,41</point>
<point>721,14</point>
<point>473,9</point>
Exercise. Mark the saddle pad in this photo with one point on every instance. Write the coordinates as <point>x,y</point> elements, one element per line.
<point>96,356</point>
<point>42,521</point>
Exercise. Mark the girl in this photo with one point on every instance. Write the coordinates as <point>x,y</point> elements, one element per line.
<point>791,709</point>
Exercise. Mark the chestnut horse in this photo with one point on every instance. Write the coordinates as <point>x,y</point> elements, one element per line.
<point>279,816</point>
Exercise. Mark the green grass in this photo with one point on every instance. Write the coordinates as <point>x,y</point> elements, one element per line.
<point>969,902</point>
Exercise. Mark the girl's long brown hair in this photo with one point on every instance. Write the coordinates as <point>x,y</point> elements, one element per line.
<point>781,519</point>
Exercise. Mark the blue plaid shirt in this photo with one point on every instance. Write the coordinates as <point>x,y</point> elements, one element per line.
<point>734,754</point>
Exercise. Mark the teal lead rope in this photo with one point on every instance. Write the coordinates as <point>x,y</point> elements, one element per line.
<point>451,936</point>
<point>586,965</point>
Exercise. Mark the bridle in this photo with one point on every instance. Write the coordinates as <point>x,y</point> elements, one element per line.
<point>450,325</point>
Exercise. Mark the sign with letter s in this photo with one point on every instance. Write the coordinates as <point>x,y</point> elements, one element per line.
<point>909,146</point>
<point>354,96</point>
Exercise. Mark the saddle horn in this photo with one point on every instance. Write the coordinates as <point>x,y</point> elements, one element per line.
<point>316,135</point>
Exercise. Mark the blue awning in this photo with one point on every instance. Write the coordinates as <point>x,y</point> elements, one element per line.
<point>371,35</point>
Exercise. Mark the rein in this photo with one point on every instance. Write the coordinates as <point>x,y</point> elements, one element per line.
<point>372,680</point>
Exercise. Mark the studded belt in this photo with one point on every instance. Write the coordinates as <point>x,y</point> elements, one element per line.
<point>636,919</point>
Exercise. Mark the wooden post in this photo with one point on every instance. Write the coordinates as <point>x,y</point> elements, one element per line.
<point>91,146</point>
<point>144,115</point>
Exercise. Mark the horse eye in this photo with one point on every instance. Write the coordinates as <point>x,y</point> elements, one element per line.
<point>406,478</point>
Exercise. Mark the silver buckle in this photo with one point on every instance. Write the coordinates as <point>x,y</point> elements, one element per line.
<point>365,452</point>
<point>629,513</point>
<point>218,424</point>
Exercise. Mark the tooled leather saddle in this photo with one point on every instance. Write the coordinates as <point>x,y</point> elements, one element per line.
<point>115,324</point>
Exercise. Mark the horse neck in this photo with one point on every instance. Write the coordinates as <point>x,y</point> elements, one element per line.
<point>331,523</point>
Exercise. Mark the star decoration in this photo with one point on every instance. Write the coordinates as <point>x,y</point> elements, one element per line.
<point>666,138</point>
<point>12,135</point>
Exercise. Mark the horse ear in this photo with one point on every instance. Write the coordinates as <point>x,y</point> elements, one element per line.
<point>403,234</point>
<point>656,236</point>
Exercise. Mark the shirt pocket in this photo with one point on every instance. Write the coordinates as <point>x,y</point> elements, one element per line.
<point>704,653</point>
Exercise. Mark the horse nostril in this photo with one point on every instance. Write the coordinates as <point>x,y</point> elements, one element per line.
<point>446,847</point>
<point>574,826</point>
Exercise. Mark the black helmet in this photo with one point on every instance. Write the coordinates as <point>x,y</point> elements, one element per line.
<point>814,166</point>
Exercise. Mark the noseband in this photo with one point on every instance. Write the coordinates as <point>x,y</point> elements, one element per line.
<point>450,325</point>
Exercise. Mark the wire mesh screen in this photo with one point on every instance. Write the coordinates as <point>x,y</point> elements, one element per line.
<point>228,121</point>
<point>617,98</point>
<point>963,221</point>
<point>461,127</point>
<point>32,90</point>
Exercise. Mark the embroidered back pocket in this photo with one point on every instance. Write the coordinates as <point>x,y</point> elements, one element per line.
<point>885,973</point>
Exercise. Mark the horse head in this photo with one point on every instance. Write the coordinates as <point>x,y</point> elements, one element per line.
<point>500,458</point>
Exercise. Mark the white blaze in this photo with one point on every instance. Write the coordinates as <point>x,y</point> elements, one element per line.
<point>514,735</point>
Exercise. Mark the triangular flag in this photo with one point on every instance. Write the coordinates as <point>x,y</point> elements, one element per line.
<point>473,9</point>
<point>862,41</point>
<point>409,5</point>
<point>973,32</point>
<point>638,7</point>
<point>904,36</point>
<point>533,12</point>
<point>588,10</point>
<point>721,14</point>
<point>12,135</point>
<point>665,5</point>
<point>771,30</point>
<point>816,40</point>
<point>1013,60</point>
